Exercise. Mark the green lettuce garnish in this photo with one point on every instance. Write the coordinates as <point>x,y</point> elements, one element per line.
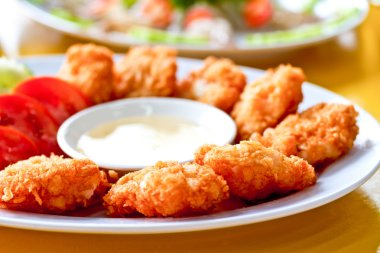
<point>301,33</point>
<point>38,2</point>
<point>161,36</point>
<point>64,14</point>
<point>12,73</point>
<point>185,4</point>
<point>128,3</point>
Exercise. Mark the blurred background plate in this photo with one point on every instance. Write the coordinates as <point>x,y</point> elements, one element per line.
<point>291,24</point>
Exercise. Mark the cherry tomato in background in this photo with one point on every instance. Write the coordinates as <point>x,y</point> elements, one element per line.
<point>257,13</point>
<point>32,119</point>
<point>15,146</point>
<point>59,97</point>
<point>159,13</point>
<point>196,13</point>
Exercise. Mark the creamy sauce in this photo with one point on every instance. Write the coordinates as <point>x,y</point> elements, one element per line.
<point>144,140</point>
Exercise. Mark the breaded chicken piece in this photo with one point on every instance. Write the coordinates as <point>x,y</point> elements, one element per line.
<point>255,172</point>
<point>219,83</point>
<point>90,68</point>
<point>166,189</point>
<point>268,99</point>
<point>51,184</point>
<point>146,72</point>
<point>322,133</point>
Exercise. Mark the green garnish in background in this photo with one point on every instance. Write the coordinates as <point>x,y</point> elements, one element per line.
<point>185,4</point>
<point>160,36</point>
<point>40,2</point>
<point>64,14</point>
<point>304,32</point>
<point>128,3</point>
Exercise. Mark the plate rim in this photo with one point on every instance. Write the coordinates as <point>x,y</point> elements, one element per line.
<point>47,222</point>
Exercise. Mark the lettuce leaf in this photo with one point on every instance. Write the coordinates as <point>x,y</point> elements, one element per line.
<point>12,73</point>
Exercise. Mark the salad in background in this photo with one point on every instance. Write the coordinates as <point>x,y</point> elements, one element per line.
<point>216,23</point>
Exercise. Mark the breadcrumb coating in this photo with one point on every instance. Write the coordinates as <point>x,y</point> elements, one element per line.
<point>320,134</point>
<point>166,189</point>
<point>219,83</point>
<point>90,68</point>
<point>51,184</point>
<point>268,99</point>
<point>146,72</point>
<point>254,172</point>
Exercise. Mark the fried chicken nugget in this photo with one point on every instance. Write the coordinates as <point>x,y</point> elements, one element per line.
<point>90,68</point>
<point>146,72</point>
<point>322,133</point>
<point>219,83</point>
<point>255,172</point>
<point>51,184</point>
<point>268,100</point>
<point>166,189</point>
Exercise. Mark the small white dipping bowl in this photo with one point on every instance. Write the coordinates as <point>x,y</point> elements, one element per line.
<point>190,111</point>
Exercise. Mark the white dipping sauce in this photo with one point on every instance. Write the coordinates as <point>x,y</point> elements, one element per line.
<point>144,140</point>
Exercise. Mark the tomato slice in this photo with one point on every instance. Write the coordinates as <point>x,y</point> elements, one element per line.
<point>32,119</point>
<point>60,98</point>
<point>14,146</point>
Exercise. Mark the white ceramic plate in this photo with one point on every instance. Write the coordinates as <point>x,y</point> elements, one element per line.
<point>353,12</point>
<point>337,180</point>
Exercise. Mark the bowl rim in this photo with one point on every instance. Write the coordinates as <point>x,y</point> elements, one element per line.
<point>71,150</point>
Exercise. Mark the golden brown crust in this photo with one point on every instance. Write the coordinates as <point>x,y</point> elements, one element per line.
<point>254,172</point>
<point>90,68</point>
<point>219,83</point>
<point>50,185</point>
<point>322,133</point>
<point>146,71</point>
<point>166,189</point>
<point>268,100</point>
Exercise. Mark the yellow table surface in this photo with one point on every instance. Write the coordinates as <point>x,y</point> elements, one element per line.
<point>349,66</point>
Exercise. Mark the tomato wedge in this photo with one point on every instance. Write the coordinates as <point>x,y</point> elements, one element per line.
<point>32,119</point>
<point>14,146</point>
<point>60,98</point>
